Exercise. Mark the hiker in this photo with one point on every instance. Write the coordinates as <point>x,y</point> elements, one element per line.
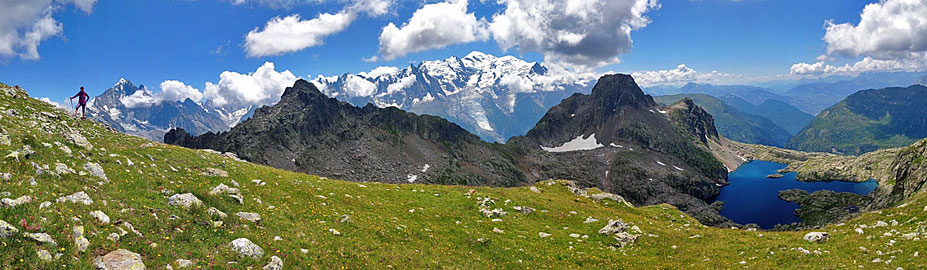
<point>82,98</point>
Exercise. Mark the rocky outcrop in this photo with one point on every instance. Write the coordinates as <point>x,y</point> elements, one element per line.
<point>185,200</point>
<point>246,248</point>
<point>118,260</point>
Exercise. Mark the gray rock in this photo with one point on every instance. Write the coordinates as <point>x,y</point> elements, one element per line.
<point>79,197</point>
<point>186,200</point>
<point>275,264</point>
<point>543,234</point>
<point>816,236</point>
<point>614,226</point>
<point>119,259</point>
<point>10,203</point>
<point>625,238</point>
<point>214,172</point>
<point>95,170</point>
<point>100,216</point>
<point>42,238</point>
<point>44,255</point>
<point>7,230</point>
<point>79,140</point>
<point>80,242</point>
<point>590,220</point>
<point>246,248</point>
<point>183,263</point>
<point>212,211</point>
<point>113,237</point>
<point>230,191</point>
<point>247,216</point>
<point>345,219</point>
<point>535,189</point>
<point>61,168</point>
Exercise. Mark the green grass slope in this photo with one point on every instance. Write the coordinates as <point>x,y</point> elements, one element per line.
<point>866,121</point>
<point>393,226</point>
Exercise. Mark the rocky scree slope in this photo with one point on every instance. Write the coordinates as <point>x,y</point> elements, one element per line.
<point>118,200</point>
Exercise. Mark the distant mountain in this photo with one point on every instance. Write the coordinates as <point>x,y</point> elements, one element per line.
<point>922,80</point>
<point>616,139</point>
<point>493,97</point>
<point>751,94</point>
<point>867,121</point>
<point>816,96</point>
<point>153,120</point>
<point>733,123</point>
<point>786,116</point>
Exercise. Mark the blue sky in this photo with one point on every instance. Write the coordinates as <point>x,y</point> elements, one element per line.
<point>150,41</point>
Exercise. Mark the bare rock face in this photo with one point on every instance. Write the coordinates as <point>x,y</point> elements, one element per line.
<point>118,260</point>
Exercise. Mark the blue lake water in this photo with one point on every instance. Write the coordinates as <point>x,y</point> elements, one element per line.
<point>753,198</point>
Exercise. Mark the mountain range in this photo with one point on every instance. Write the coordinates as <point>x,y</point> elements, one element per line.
<point>493,97</point>
<point>733,123</point>
<point>616,138</point>
<point>150,120</point>
<point>868,120</point>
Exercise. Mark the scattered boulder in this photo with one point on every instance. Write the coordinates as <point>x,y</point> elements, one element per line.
<point>248,216</point>
<point>524,209</point>
<point>95,170</point>
<point>10,203</point>
<point>590,220</point>
<point>345,219</point>
<point>80,242</point>
<point>232,192</point>
<point>182,263</point>
<point>618,230</point>
<point>275,264</point>
<point>113,237</point>
<point>816,236</point>
<point>42,238</point>
<point>613,227</point>
<point>212,211</point>
<point>119,259</point>
<point>186,200</point>
<point>100,216</point>
<point>61,168</point>
<point>535,189</point>
<point>543,234</point>
<point>214,172</point>
<point>625,238</point>
<point>246,248</point>
<point>79,140</point>
<point>79,197</point>
<point>7,230</point>
<point>44,255</point>
<point>497,230</point>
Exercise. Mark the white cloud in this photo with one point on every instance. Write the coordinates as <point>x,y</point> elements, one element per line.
<point>139,99</point>
<point>380,71</point>
<point>888,29</point>
<point>890,36</point>
<point>682,74</point>
<point>25,24</point>
<point>433,26</point>
<point>56,104</point>
<point>356,86</point>
<point>292,33</point>
<point>370,59</point>
<point>587,33</point>
<point>403,83</point>
<point>177,90</point>
<point>262,87</point>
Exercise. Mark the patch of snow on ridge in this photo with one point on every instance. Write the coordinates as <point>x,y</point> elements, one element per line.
<point>661,163</point>
<point>577,144</point>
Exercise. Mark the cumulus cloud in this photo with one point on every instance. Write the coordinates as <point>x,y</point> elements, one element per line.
<point>433,26</point>
<point>589,33</point>
<point>262,87</point>
<point>356,86</point>
<point>890,36</point>
<point>171,90</point>
<point>56,104</point>
<point>682,74</point>
<point>25,24</point>
<point>292,33</point>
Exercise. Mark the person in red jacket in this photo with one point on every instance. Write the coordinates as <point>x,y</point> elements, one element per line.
<point>82,98</point>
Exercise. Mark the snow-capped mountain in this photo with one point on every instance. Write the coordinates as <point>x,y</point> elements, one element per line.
<point>493,97</point>
<point>131,110</point>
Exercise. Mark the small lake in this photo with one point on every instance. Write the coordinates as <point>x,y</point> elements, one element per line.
<point>753,198</point>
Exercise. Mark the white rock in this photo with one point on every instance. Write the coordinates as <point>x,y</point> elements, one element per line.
<point>183,263</point>
<point>275,264</point>
<point>43,238</point>
<point>248,216</point>
<point>7,230</point>
<point>543,234</point>
<point>100,216</point>
<point>79,197</point>
<point>590,220</point>
<point>186,200</point>
<point>212,211</point>
<point>96,170</point>
<point>80,242</point>
<point>816,236</point>
<point>246,248</point>
<point>497,230</point>
<point>118,260</point>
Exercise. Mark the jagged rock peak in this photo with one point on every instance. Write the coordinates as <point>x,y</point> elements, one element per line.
<point>693,119</point>
<point>301,86</point>
<point>619,90</point>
